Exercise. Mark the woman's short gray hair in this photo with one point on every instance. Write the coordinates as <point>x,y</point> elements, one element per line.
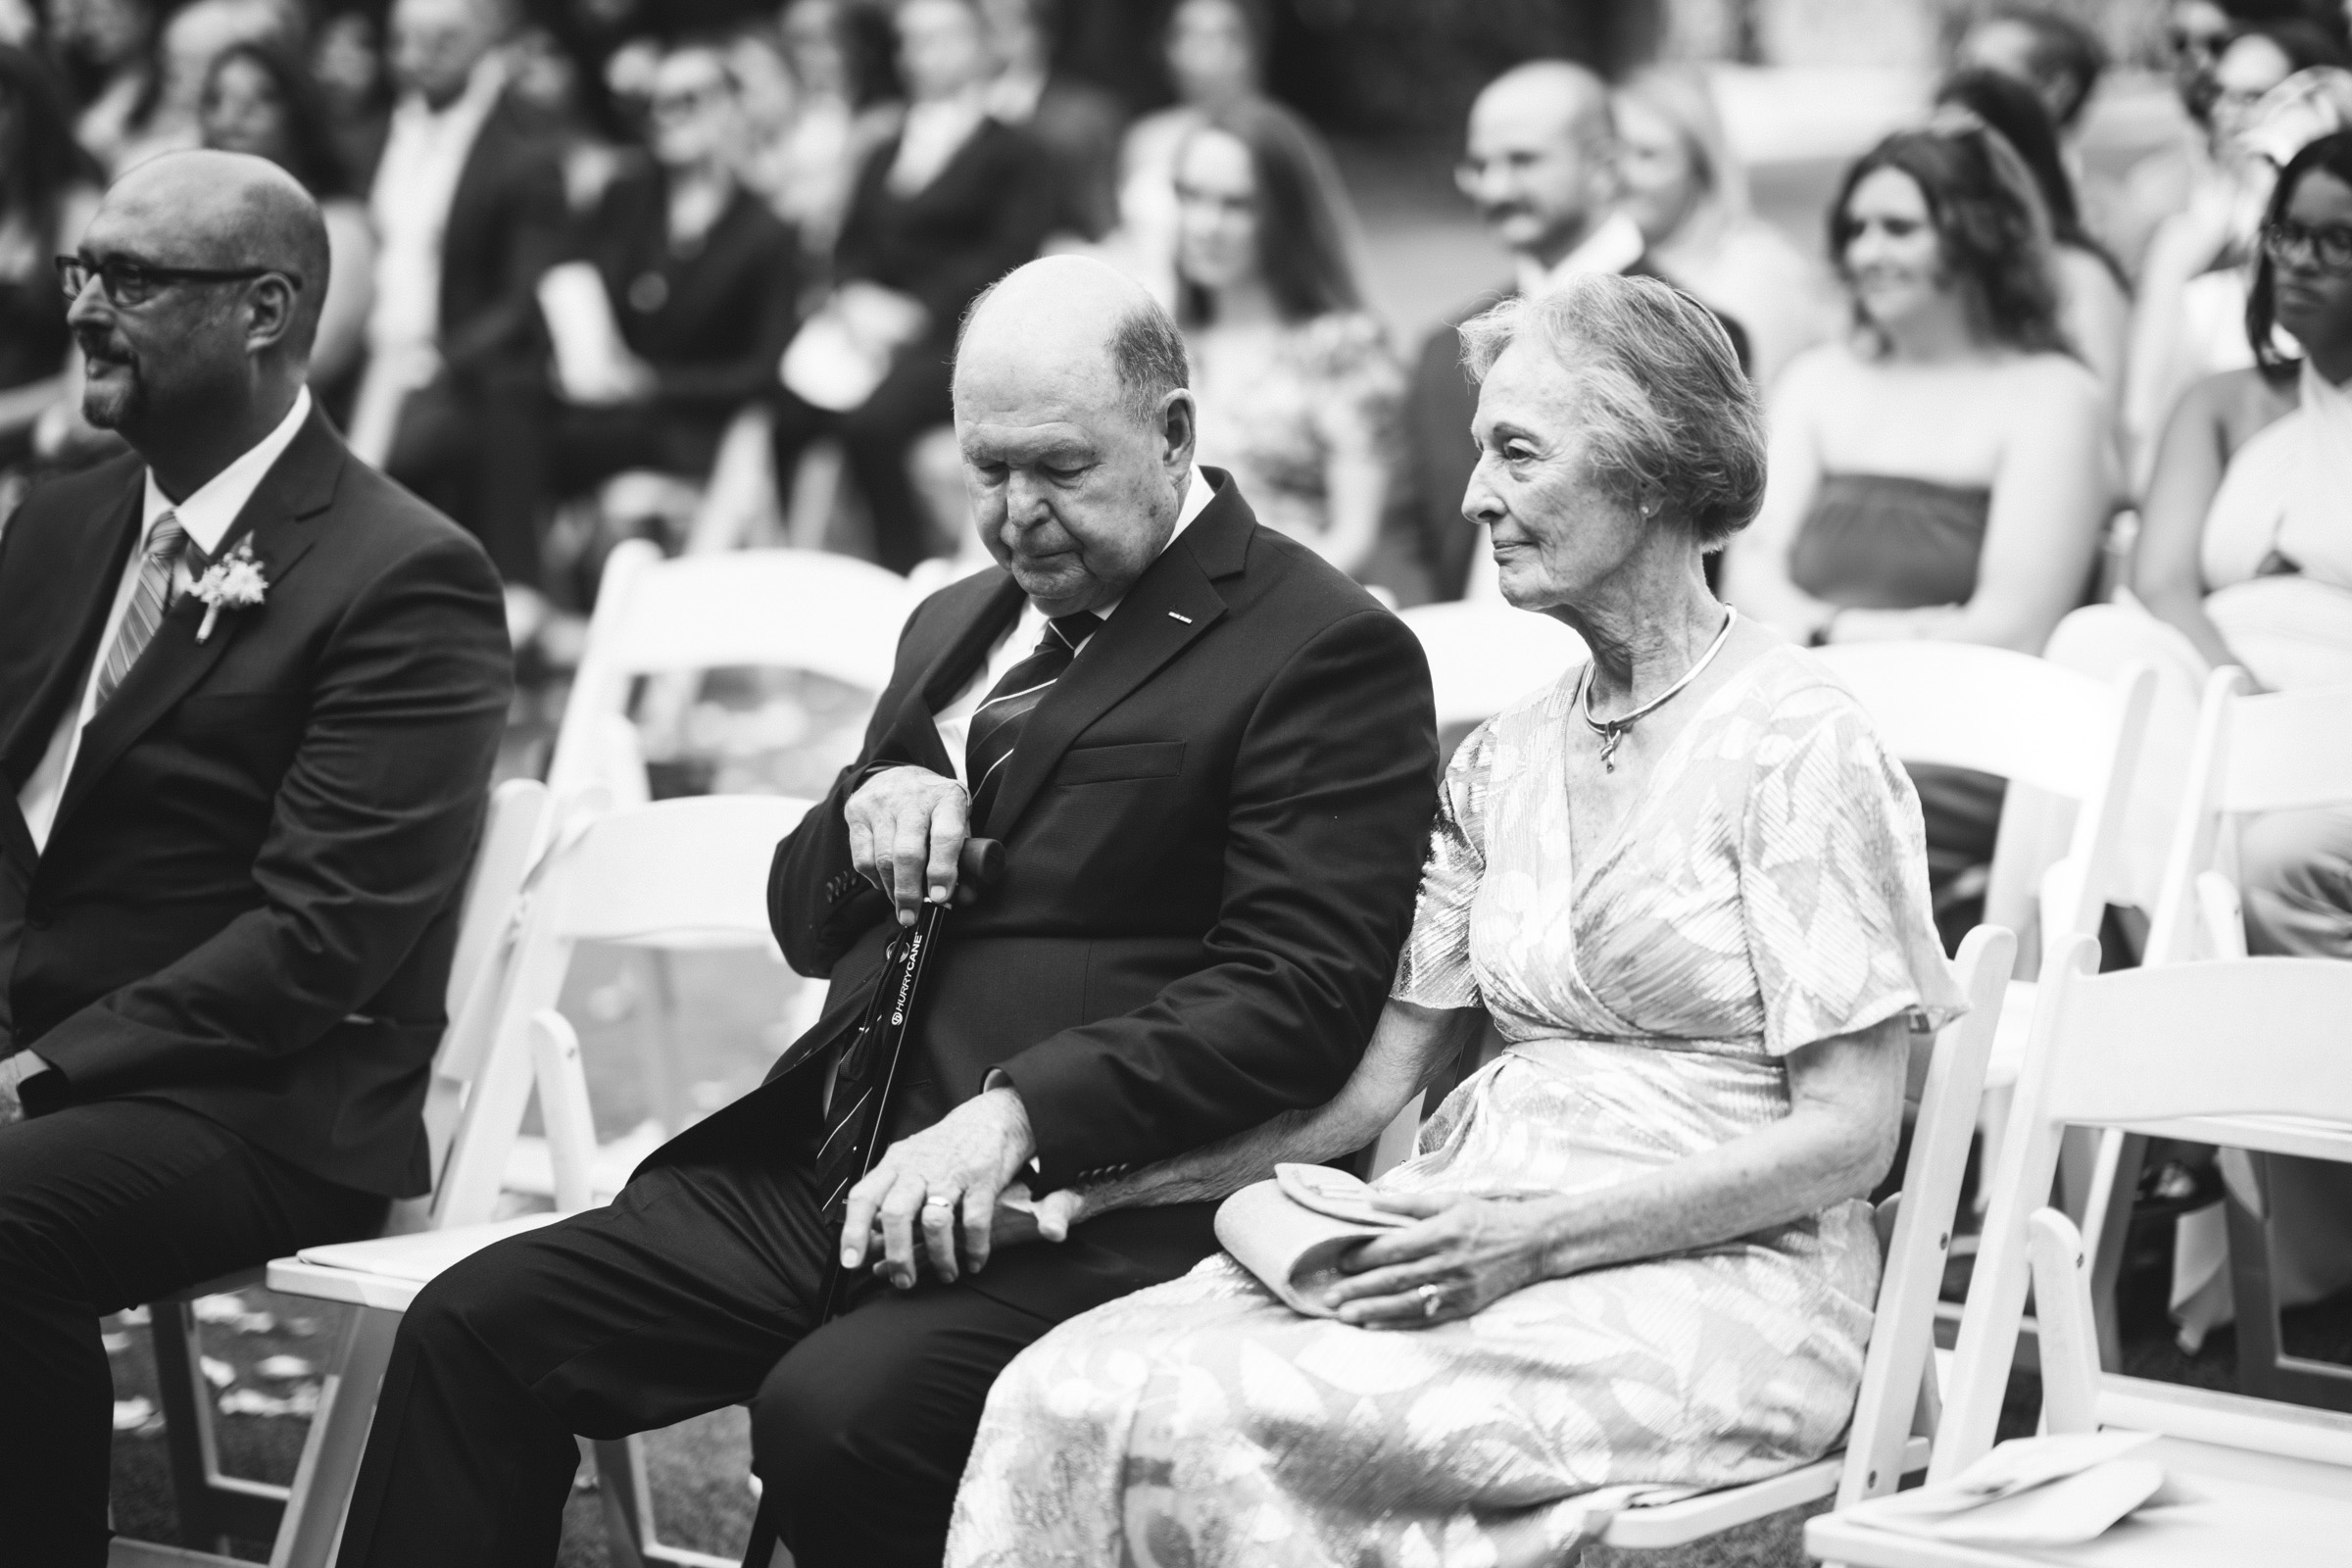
<point>1662,399</point>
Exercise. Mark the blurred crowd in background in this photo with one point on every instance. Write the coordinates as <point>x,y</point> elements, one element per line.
<point>694,271</point>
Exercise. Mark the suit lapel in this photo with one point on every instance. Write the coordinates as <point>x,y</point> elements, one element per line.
<point>1171,604</point>
<point>300,485</point>
<point>52,670</point>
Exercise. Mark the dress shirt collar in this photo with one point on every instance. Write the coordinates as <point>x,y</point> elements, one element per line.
<point>1614,246</point>
<point>1014,95</point>
<point>212,508</point>
<point>934,134</point>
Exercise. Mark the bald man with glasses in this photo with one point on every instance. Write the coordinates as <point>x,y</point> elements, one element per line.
<point>249,695</point>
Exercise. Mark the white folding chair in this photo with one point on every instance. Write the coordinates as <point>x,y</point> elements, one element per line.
<point>799,610</point>
<point>213,1505</point>
<point>1895,1409</point>
<point>2141,1050</point>
<point>2066,744</point>
<point>2271,751</point>
<point>690,866</point>
<point>1484,656</point>
<point>659,622</point>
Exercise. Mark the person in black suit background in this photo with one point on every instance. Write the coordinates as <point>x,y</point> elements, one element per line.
<point>1076,123</point>
<point>1540,166</point>
<point>235,832</point>
<point>1213,814</point>
<point>470,212</point>
<point>703,280</point>
<point>951,204</point>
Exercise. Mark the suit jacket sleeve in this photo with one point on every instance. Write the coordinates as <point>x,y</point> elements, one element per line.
<point>375,826</point>
<point>1329,809</point>
<point>538,222</point>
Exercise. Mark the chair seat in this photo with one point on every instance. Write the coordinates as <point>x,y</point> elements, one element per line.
<point>387,1273</point>
<point>1652,1525</point>
<point>2290,1521</point>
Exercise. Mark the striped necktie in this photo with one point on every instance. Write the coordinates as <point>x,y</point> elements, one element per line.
<point>997,722</point>
<point>148,601</point>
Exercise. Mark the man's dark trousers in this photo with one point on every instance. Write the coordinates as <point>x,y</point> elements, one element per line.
<point>104,1207</point>
<point>695,1289</point>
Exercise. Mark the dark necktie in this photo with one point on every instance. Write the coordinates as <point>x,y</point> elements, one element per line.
<point>998,721</point>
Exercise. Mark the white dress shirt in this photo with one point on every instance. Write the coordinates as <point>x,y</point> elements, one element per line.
<point>1614,246</point>
<point>955,721</point>
<point>207,515</point>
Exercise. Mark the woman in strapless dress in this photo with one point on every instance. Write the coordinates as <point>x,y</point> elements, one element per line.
<point>1944,472</point>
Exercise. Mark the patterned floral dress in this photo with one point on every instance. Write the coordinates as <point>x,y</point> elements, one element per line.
<point>1769,890</point>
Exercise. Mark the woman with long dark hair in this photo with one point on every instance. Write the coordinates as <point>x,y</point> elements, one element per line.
<point>1944,472</point>
<point>260,98</point>
<point>2094,307</point>
<point>1297,386</point>
<point>48,189</point>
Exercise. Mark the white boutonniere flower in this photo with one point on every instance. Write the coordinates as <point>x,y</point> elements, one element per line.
<point>234,582</point>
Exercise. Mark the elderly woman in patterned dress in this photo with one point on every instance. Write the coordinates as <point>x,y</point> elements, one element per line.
<point>1689,887</point>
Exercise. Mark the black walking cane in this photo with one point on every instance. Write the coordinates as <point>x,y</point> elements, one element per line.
<point>870,1067</point>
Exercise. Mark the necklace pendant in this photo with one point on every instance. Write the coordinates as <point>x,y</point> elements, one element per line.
<point>1608,749</point>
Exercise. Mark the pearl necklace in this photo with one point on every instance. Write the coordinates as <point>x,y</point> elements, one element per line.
<point>1612,730</point>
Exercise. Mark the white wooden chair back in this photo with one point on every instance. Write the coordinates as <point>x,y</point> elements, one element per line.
<point>488,913</point>
<point>808,610</point>
<point>1897,1400</point>
<point>2255,752</point>
<point>695,868</point>
<point>2258,1038</point>
<point>2033,722</point>
<point>1484,656</point>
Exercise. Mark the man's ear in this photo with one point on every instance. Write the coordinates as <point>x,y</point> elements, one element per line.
<point>1179,428</point>
<point>269,305</point>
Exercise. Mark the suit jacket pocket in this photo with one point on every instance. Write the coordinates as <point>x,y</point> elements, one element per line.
<point>1102,764</point>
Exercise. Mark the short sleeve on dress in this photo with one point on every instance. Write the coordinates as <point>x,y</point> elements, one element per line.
<point>1434,969</point>
<point>1833,880</point>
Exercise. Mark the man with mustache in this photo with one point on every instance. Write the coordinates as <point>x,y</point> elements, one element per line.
<point>249,695</point>
<point>1210,760</point>
<point>1540,166</point>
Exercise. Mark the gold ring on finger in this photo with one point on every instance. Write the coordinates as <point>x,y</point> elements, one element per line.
<point>1431,1300</point>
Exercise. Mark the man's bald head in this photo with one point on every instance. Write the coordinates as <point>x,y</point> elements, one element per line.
<point>1539,160</point>
<point>1076,428</point>
<point>229,212</point>
<point>1078,307</point>
<point>223,264</point>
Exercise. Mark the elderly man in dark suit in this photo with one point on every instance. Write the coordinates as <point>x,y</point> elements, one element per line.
<point>1211,763</point>
<point>470,212</point>
<point>1540,166</point>
<point>249,695</point>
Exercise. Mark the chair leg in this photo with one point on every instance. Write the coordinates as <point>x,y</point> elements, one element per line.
<point>632,1535</point>
<point>2107,1217</point>
<point>313,1529</point>
<point>187,1421</point>
<point>2259,1375</point>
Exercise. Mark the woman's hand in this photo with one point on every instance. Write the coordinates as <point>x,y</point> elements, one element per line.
<point>1467,1252</point>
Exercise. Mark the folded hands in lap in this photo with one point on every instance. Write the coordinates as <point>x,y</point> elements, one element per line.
<point>1469,1251</point>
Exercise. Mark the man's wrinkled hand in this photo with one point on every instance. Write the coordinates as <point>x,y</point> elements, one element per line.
<point>906,826</point>
<point>14,1070</point>
<point>937,1187</point>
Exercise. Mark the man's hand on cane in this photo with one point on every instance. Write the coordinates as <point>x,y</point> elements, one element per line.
<point>906,826</point>
<point>931,1184</point>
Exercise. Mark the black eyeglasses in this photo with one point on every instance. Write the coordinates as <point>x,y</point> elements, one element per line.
<point>2326,249</point>
<point>131,284</point>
